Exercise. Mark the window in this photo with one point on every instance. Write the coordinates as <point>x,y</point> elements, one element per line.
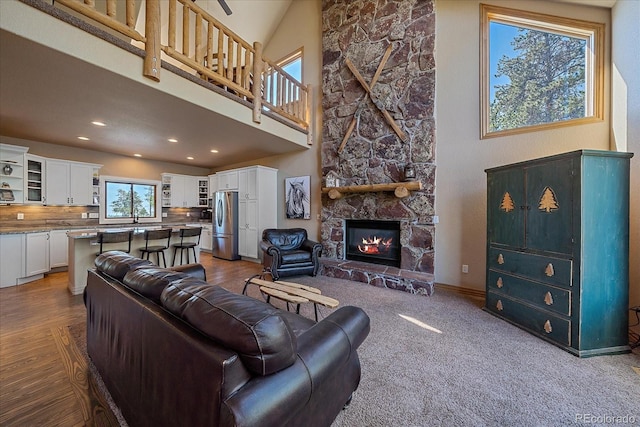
<point>538,71</point>
<point>126,199</point>
<point>292,65</point>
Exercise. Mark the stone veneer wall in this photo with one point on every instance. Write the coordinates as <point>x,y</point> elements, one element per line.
<point>361,30</point>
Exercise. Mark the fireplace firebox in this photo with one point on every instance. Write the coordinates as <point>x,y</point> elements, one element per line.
<point>373,241</point>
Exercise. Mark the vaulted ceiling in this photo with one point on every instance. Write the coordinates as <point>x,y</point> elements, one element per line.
<point>49,96</point>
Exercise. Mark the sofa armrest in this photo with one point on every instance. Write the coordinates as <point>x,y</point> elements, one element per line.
<point>270,248</point>
<point>193,270</point>
<point>323,351</point>
<point>314,247</point>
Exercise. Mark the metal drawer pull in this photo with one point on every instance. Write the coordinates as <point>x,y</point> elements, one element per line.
<point>548,299</point>
<point>499,305</point>
<point>499,282</point>
<point>500,259</point>
<point>549,270</point>
<point>547,327</point>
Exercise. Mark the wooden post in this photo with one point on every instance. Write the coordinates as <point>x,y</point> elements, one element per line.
<point>111,8</point>
<point>199,57</point>
<point>221,54</point>
<point>130,10</point>
<point>210,46</point>
<point>172,23</point>
<point>185,30</point>
<point>257,81</point>
<point>308,113</point>
<point>151,66</point>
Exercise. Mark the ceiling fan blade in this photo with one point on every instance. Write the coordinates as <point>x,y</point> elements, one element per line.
<point>225,6</point>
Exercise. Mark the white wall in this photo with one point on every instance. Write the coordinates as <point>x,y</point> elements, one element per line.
<point>461,157</point>
<point>301,26</point>
<point>625,119</point>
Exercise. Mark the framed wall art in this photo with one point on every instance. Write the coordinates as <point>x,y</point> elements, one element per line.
<point>298,197</point>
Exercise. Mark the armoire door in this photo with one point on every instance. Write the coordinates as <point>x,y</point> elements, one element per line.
<point>549,217</point>
<point>506,207</point>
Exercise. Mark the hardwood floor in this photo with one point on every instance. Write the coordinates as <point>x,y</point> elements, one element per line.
<point>44,380</point>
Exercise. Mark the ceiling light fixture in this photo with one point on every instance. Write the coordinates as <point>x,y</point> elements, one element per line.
<point>83,138</point>
<point>97,123</point>
<point>214,151</point>
<point>189,158</point>
<point>137,155</point>
<point>172,140</point>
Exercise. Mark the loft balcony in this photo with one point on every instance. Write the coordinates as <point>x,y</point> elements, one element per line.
<point>155,66</point>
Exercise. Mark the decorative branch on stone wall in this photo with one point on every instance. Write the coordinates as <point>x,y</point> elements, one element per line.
<point>369,89</point>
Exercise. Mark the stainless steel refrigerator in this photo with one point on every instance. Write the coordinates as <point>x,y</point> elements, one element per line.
<point>225,225</point>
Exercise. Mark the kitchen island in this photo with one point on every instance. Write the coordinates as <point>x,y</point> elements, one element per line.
<point>83,247</point>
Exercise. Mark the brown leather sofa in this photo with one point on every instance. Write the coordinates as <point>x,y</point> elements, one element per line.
<point>174,350</point>
<point>288,252</point>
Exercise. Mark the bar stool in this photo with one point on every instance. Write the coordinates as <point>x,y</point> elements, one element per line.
<point>114,237</point>
<point>182,246</point>
<point>151,235</point>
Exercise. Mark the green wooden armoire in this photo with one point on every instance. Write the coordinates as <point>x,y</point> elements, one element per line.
<point>558,249</point>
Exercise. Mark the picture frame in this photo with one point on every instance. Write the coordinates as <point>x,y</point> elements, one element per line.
<point>297,192</point>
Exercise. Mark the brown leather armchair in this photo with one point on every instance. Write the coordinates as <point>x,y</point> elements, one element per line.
<point>288,252</point>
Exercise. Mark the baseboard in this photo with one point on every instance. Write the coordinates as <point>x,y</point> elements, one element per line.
<point>473,293</point>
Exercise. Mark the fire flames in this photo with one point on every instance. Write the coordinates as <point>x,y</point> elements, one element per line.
<point>375,245</point>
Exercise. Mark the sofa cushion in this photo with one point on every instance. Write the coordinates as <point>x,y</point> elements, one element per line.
<point>117,263</point>
<point>286,239</point>
<point>261,337</point>
<point>296,257</point>
<point>150,282</point>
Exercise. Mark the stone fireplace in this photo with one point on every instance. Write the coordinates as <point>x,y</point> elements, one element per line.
<point>391,130</point>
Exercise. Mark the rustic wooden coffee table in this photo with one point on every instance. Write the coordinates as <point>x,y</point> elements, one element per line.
<point>293,293</point>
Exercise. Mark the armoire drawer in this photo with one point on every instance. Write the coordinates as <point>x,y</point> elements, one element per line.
<point>544,296</point>
<point>554,271</point>
<point>540,322</point>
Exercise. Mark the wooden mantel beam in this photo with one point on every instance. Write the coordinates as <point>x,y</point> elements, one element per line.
<point>400,189</point>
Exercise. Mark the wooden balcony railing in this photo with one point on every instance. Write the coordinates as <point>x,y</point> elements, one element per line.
<point>188,35</point>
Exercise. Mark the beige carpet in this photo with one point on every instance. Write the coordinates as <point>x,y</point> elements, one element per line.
<point>442,361</point>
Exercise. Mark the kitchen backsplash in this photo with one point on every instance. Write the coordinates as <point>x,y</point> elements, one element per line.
<point>39,217</point>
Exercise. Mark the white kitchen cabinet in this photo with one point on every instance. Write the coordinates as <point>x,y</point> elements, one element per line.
<point>228,180</point>
<point>37,253</point>
<point>12,173</point>
<point>34,179</point>
<point>58,248</point>
<point>183,190</point>
<point>213,184</point>
<point>257,208</point>
<point>12,248</point>
<point>248,228</point>
<point>206,239</point>
<point>69,183</point>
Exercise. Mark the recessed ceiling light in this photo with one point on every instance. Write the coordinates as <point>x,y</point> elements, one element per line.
<point>189,158</point>
<point>84,138</point>
<point>172,140</point>
<point>137,155</point>
<point>214,151</point>
<point>97,123</point>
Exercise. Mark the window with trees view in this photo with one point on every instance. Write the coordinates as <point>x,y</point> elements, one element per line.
<point>538,71</point>
<point>125,200</point>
